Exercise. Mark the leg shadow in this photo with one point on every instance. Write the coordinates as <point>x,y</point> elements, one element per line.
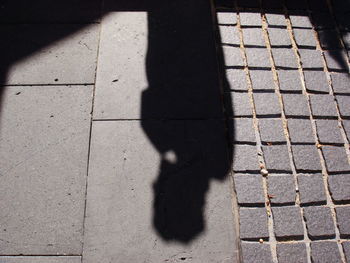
<point>182,115</point>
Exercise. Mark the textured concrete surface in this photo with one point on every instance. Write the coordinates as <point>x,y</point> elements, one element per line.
<point>41,259</point>
<point>57,53</point>
<point>121,75</point>
<point>43,177</point>
<point>121,195</point>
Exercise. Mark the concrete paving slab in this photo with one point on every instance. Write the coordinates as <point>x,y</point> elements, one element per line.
<point>154,70</point>
<point>44,140</point>
<point>41,259</point>
<point>42,11</point>
<point>121,75</point>
<point>133,216</point>
<point>49,53</point>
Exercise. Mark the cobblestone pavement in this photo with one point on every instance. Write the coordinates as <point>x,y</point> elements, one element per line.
<point>288,83</point>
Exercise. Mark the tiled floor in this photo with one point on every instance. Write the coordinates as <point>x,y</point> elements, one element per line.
<point>293,83</point>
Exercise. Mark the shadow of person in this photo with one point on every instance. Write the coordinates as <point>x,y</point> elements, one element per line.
<point>182,115</point>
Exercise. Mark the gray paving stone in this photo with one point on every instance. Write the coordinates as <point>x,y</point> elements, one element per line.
<point>40,259</point>
<point>253,223</point>
<point>306,158</point>
<point>336,159</point>
<point>311,189</point>
<point>175,90</point>
<point>316,81</point>
<point>295,105</point>
<point>336,60</point>
<point>340,7</point>
<point>346,125</point>
<point>282,189</point>
<point>237,79</point>
<point>346,247</point>
<point>346,39</point>
<point>323,20</point>
<point>288,223</point>
<point>279,37</point>
<point>243,130</point>
<point>258,57</point>
<point>295,253</point>
<point>120,199</point>
<point>232,56</point>
<point>319,5</point>
<point>325,252</point>
<point>328,132</point>
<point>344,105</point>
<point>343,22</point>
<point>250,19</point>
<point>245,158</point>
<point>229,35</point>
<point>262,80</point>
<point>296,4</point>
<point>226,18</point>
<point>289,80</point>
<point>341,83</point>
<point>304,37</point>
<point>271,131</point>
<point>329,39</point>
<point>323,106</point>
<point>271,5</point>
<point>69,61</point>
<point>276,20</point>
<point>43,158</point>
<point>248,3</point>
<point>284,58</point>
<point>300,20</point>
<point>339,187</point>
<point>300,131</point>
<point>256,252</point>
<point>253,37</point>
<point>249,189</point>
<point>311,59</point>
<point>343,220</point>
<point>241,104</point>
<point>277,158</point>
<point>319,222</point>
<point>267,104</point>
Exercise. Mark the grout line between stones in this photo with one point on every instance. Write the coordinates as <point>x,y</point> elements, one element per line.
<point>272,238</point>
<point>306,240</point>
<point>330,203</point>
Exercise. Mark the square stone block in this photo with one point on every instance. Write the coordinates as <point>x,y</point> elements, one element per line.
<point>319,222</point>
<point>281,188</point>
<point>306,158</point>
<point>288,223</point>
<point>249,189</point>
<point>253,223</point>
<point>311,189</point>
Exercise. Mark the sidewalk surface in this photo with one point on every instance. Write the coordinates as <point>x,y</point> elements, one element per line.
<point>163,131</point>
